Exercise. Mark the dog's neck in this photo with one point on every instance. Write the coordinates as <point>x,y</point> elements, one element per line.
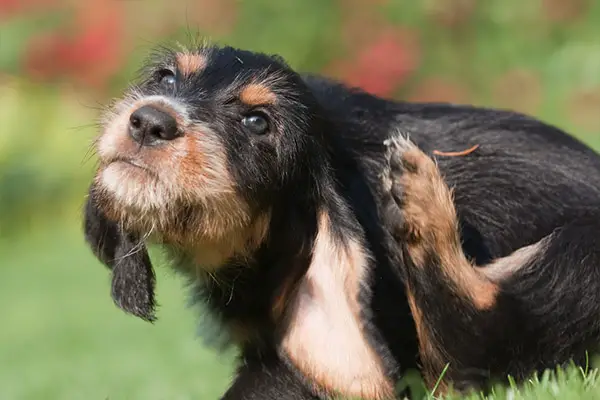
<point>204,255</point>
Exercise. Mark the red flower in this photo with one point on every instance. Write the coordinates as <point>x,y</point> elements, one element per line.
<point>383,65</point>
<point>90,56</point>
<point>95,53</point>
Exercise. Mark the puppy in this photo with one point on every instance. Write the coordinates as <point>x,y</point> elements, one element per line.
<point>328,245</point>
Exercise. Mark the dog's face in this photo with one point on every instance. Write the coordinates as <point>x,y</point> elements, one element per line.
<point>195,156</point>
<point>198,149</point>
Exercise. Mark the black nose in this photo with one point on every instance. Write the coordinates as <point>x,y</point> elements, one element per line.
<point>149,125</point>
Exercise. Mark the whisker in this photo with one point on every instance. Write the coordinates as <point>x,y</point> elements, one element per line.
<point>90,152</point>
<point>79,128</point>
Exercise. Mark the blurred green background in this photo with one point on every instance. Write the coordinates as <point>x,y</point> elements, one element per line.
<point>61,60</point>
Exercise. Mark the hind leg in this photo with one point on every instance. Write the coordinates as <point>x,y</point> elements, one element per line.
<point>533,309</point>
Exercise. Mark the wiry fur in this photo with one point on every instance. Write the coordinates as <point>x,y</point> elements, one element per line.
<point>529,310</point>
<point>343,307</point>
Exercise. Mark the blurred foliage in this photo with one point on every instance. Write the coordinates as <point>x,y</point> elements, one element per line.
<point>60,60</point>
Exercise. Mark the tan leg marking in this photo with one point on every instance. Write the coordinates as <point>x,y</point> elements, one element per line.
<point>324,336</point>
<point>503,268</point>
<point>431,223</point>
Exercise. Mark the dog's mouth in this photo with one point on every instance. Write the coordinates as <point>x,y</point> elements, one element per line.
<point>126,160</point>
<point>131,163</point>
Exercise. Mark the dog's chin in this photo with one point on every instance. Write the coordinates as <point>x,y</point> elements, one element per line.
<point>133,185</point>
<point>133,195</point>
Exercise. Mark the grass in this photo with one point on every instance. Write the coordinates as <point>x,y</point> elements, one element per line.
<point>61,337</point>
<point>561,383</point>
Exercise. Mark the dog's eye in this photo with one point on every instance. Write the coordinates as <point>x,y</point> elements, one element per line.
<point>166,78</point>
<point>256,123</point>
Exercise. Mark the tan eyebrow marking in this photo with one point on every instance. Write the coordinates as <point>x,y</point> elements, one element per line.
<point>190,63</point>
<point>256,94</point>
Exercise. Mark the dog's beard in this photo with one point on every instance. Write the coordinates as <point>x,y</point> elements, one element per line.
<point>150,210</point>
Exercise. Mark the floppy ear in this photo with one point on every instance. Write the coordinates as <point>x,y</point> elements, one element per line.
<point>324,331</point>
<point>133,278</point>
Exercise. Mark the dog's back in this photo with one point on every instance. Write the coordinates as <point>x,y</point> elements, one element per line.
<point>522,180</point>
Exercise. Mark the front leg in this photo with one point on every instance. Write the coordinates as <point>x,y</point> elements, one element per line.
<point>267,379</point>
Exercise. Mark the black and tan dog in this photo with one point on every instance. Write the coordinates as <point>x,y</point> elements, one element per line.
<point>329,245</point>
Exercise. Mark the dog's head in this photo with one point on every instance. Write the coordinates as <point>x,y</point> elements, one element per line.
<point>193,155</point>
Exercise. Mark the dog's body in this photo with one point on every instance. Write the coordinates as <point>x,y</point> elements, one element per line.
<point>326,284</point>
